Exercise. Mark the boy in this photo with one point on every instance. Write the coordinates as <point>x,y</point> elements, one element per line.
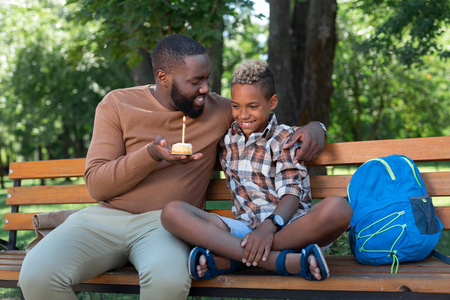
<point>268,191</point>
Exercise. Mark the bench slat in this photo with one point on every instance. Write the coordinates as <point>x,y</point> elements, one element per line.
<point>23,221</point>
<point>18,221</point>
<point>218,190</point>
<point>321,186</point>
<point>325,185</point>
<point>418,149</point>
<point>58,168</point>
<point>427,276</point>
<point>53,194</point>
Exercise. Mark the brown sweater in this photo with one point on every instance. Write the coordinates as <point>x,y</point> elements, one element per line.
<point>119,171</point>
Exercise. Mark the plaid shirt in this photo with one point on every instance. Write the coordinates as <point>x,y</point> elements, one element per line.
<point>259,172</point>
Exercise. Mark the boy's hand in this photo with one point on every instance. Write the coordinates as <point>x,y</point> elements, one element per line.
<point>312,138</point>
<point>159,150</point>
<point>258,244</point>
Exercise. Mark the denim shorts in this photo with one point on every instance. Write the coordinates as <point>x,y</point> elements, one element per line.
<point>240,229</point>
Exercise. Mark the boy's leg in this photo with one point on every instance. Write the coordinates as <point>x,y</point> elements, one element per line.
<point>321,225</point>
<point>87,244</point>
<point>198,227</point>
<point>160,258</point>
<point>201,228</point>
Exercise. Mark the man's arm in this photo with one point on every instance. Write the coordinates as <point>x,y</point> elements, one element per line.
<point>312,136</point>
<point>110,170</point>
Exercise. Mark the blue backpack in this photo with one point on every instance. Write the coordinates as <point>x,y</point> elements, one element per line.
<point>394,219</point>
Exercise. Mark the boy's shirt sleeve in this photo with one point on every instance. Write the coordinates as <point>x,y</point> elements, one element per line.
<point>290,178</point>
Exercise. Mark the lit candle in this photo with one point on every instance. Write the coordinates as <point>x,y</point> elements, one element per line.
<point>184,129</point>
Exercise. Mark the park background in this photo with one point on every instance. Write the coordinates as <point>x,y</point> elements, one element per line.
<point>372,69</point>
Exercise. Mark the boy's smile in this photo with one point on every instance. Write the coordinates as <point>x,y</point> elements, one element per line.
<point>250,108</point>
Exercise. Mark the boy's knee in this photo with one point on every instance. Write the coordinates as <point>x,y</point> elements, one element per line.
<point>341,209</point>
<point>172,211</point>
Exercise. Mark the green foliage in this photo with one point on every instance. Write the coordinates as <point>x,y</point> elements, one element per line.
<point>376,96</point>
<point>246,41</point>
<point>410,29</point>
<point>49,101</point>
<point>127,26</point>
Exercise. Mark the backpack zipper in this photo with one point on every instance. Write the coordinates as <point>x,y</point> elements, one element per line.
<point>388,168</point>
<point>391,173</point>
<point>413,170</point>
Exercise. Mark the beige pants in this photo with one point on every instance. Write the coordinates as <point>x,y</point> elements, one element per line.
<point>98,239</point>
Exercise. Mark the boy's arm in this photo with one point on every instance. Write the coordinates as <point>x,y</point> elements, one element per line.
<point>312,136</point>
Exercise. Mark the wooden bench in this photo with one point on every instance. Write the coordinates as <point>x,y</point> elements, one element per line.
<point>428,279</point>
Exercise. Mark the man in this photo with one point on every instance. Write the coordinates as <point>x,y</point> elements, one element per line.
<point>130,171</point>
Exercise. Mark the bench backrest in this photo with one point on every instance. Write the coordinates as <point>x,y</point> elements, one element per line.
<point>433,149</point>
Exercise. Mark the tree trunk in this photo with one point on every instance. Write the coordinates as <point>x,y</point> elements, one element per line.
<point>314,27</point>
<point>301,52</point>
<point>215,52</point>
<point>143,73</point>
<point>280,61</point>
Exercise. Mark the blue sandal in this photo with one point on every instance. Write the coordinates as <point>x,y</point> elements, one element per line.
<point>305,273</point>
<point>212,269</point>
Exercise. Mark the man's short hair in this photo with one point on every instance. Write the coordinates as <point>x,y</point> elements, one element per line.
<point>170,52</point>
<point>255,71</point>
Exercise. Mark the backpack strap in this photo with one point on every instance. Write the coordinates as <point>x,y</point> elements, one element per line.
<point>440,256</point>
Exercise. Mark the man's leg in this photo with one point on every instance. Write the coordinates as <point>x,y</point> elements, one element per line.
<point>86,245</point>
<point>159,257</point>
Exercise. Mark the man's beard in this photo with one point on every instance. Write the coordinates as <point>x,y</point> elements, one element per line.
<point>184,104</point>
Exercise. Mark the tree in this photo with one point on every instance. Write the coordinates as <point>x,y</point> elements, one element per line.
<point>409,29</point>
<point>49,103</point>
<point>377,96</point>
<point>302,41</point>
<point>245,41</point>
<point>131,28</point>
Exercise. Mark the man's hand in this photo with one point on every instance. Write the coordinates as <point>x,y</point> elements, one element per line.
<point>159,150</point>
<point>312,138</point>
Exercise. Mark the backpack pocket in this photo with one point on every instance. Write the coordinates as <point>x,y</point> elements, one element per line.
<point>425,215</point>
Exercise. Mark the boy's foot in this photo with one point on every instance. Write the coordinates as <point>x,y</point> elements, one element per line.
<point>222,263</point>
<point>312,263</point>
<point>206,268</point>
<point>293,266</point>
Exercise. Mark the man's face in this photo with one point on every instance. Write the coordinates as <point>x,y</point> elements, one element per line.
<point>190,85</point>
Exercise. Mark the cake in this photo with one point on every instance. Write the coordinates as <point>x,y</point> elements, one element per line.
<point>182,148</point>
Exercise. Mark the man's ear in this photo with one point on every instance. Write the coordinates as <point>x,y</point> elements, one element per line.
<point>162,77</point>
<point>273,102</point>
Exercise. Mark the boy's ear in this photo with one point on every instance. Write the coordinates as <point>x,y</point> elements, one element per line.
<point>273,102</point>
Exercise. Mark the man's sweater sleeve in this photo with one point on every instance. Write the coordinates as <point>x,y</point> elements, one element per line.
<point>110,171</point>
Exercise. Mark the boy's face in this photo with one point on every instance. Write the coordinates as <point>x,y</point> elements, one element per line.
<point>250,108</point>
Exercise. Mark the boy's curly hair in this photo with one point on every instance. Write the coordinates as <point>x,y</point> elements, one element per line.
<point>255,71</point>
